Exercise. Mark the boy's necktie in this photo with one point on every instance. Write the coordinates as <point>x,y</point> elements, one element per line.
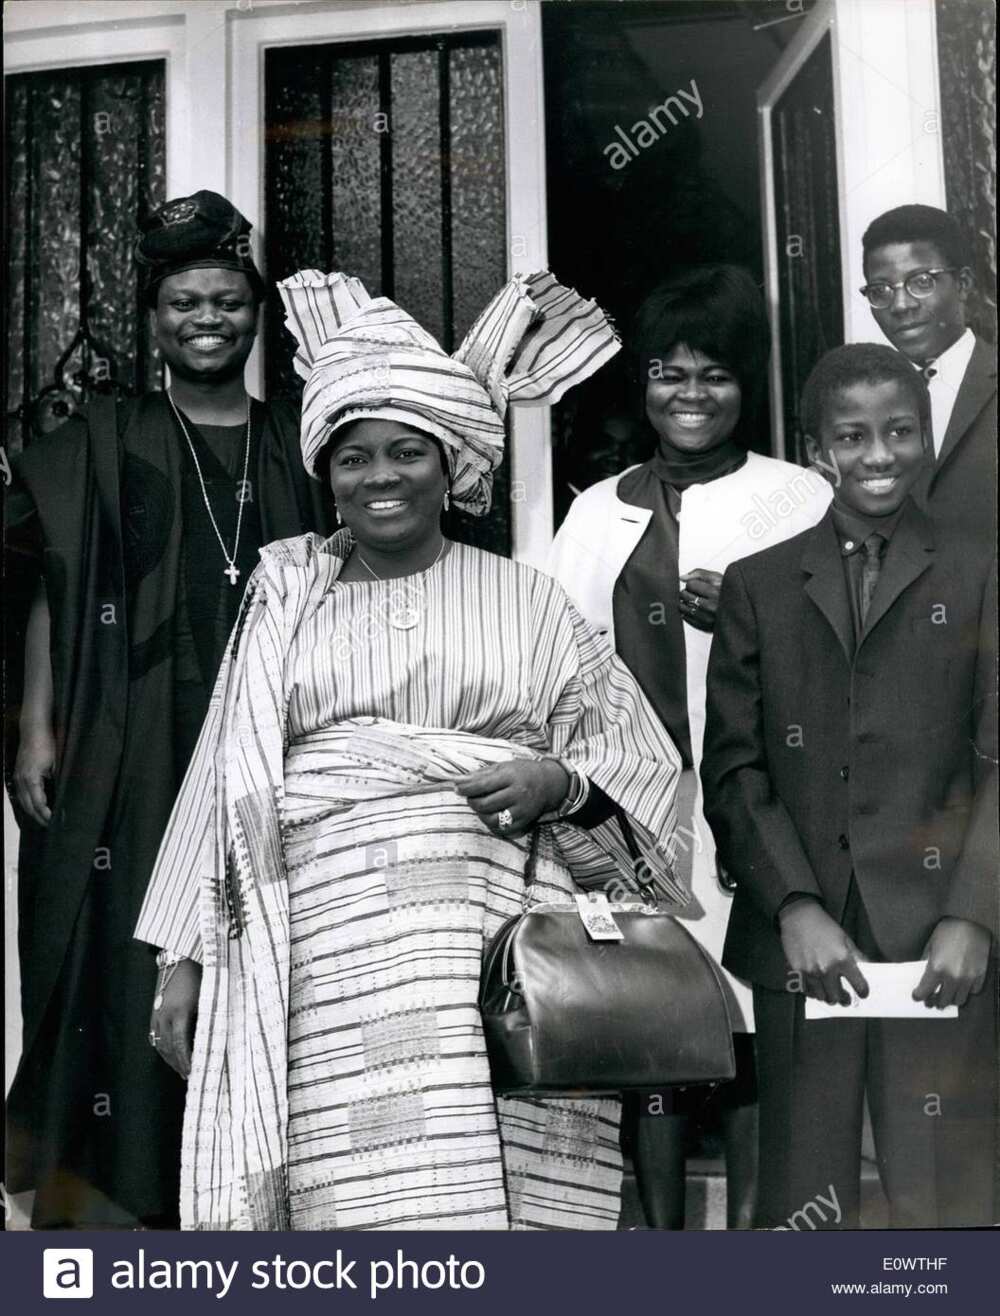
<point>870,569</point>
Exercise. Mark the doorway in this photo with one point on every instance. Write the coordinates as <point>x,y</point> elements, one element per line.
<point>653,164</point>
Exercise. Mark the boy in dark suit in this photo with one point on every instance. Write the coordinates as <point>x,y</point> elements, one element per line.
<point>850,783</point>
<point>918,271</point>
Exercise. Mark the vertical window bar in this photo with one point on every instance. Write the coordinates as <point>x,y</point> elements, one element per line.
<point>444,119</point>
<point>85,170</point>
<point>385,171</point>
<point>28,379</point>
<point>326,161</point>
<point>142,162</point>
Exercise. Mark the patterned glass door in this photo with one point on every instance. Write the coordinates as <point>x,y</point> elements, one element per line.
<point>386,160</point>
<point>86,159</point>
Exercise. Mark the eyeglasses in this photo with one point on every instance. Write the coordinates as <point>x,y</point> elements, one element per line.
<point>919,284</point>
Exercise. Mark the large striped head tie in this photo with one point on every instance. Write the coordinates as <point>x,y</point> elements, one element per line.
<point>365,357</point>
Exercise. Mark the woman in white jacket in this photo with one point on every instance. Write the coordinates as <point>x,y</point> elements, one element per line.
<point>642,556</point>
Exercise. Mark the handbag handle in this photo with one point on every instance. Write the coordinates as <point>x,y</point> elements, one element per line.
<point>641,870</point>
<point>530,864</point>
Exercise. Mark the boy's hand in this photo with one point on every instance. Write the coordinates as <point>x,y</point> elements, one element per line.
<point>957,955</point>
<point>819,949</point>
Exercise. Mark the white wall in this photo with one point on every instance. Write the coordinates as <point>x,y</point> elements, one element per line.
<point>889,124</point>
<point>11,976</point>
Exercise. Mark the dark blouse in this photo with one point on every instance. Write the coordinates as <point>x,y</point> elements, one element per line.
<point>649,629</point>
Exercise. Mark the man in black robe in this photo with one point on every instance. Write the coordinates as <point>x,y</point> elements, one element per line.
<point>142,523</point>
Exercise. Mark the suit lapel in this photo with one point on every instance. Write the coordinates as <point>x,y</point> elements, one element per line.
<point>826,586</point>
<point>910,553</point>
<point>978,386</point>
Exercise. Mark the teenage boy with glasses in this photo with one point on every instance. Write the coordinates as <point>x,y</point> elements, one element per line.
<point>918,279</point>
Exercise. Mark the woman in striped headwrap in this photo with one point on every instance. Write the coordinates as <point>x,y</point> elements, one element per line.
<point>403,727</point>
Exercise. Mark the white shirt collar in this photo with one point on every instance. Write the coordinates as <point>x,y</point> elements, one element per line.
<point>947,372</point>
<point>951,365</point>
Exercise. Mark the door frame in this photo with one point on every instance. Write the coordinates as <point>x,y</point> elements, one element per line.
<point>885,71</point>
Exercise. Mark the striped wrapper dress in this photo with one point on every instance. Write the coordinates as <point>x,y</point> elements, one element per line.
<point>340,1075</point>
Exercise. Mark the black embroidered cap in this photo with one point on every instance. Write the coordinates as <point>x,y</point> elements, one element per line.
<point>201,231</point>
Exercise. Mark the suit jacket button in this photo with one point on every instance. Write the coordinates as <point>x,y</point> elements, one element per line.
<point>843,842</point>
<point>845,773</point>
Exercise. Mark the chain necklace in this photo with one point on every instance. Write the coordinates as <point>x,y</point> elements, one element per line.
<point>231,569</point>
<point>403,616</point>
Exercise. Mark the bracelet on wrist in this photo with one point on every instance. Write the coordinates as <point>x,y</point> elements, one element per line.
<point>166,965</point>
<point>576,795</point>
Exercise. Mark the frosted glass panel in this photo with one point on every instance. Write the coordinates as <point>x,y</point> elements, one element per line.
<point>416,188</point>
<point>55,165</point>
<point>478,225</point>
<point>357,130</point>
<point>86,161</point>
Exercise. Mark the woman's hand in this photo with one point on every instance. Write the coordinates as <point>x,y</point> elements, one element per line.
<point>33,768</point>
<point>527,788</point>
<point>172,1024</point>
<point>700,598</point>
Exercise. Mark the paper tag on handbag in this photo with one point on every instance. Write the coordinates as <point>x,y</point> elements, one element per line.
<point>596,916</point>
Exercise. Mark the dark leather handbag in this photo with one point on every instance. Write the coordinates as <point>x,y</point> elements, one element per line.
<point>566,1015</point>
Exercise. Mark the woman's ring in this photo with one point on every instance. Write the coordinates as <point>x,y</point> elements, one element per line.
<point>695,602</point>
<point>505,819</point>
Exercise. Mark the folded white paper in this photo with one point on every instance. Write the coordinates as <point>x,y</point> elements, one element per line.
<point>890,996</point>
